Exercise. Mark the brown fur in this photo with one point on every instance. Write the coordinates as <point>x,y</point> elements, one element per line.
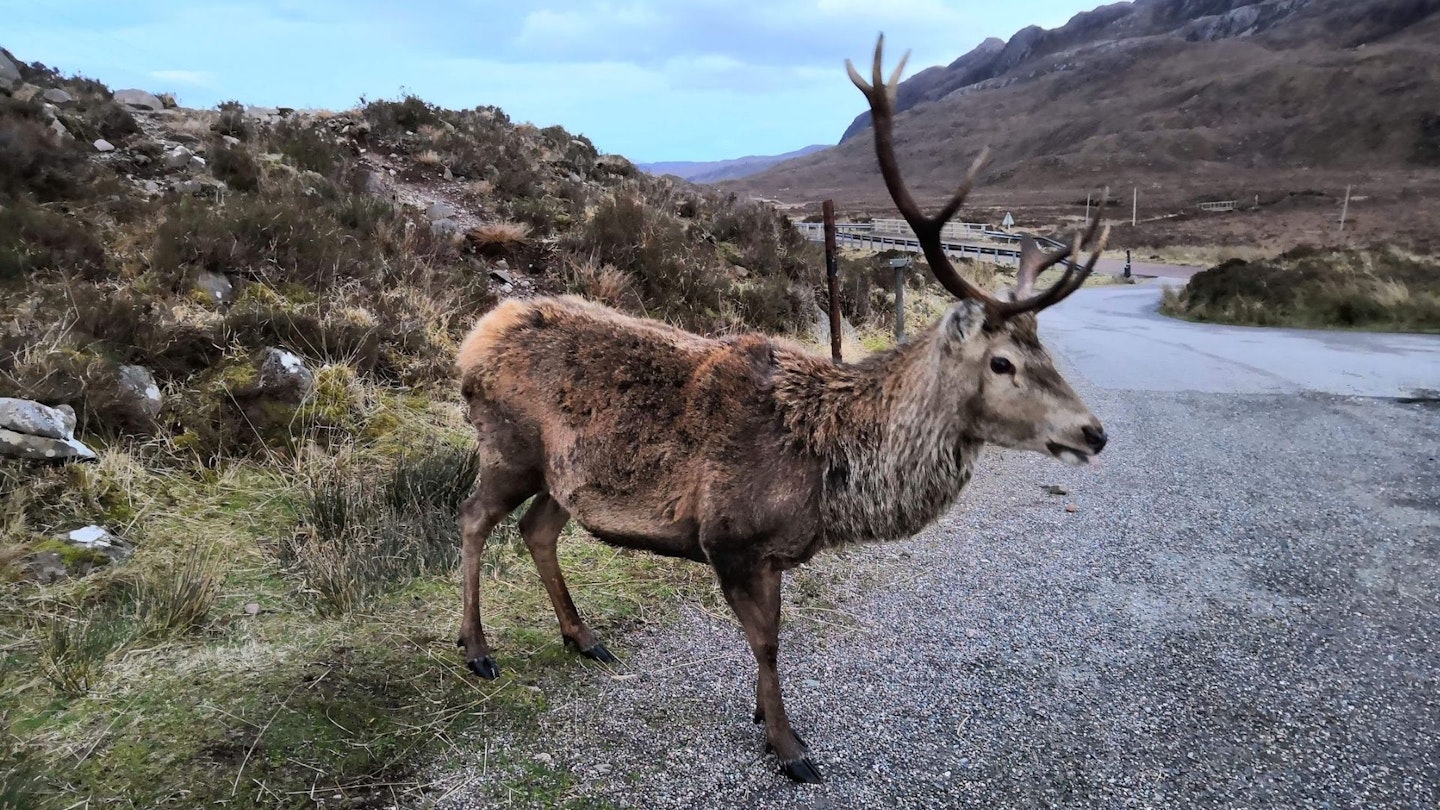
<point>740,452</point>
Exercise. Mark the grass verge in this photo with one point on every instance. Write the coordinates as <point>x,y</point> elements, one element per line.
<point>1377,289</point>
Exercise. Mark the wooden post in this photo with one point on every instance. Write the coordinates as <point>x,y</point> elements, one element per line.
<point>1087,206</point>
<point>1345,209</point>
<point>1135,206</point>
<point>832,279</point>
<point>899,305</point>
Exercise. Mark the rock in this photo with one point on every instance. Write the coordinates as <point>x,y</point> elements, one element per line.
<point>1056,489</point>
<point>190,187</point>
<point>284,376</point>
<point>56,96</point>
<point>26,92</point>
<point>139,100</point>
<point>28,416</point>
<point>230,140</point>
<point>617,165</point>
<point>178,157</point>
<point>9,74</point>
<point>45,567</point>
<point>1070,507</point>
<point>168,101</point>
<point>60,131</point>
<point>197,163</point>
<point>100,542</point>
<point>438,211</point>
<point>215,285</point>
<point>139,384</point>
<point>448,175</point>
<point>501,276</point>
<point>252,608</point>
<point>151,187</point>
<point>446,227</point>
<point>103,145</point>
<point>42,448</point>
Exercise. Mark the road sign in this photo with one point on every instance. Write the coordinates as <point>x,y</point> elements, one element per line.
<point>900,264</point>
<point>1008,222</point>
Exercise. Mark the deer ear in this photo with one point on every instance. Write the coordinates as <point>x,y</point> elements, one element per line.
<point>965,320</point>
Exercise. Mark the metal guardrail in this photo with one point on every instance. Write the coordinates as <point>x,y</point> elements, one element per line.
<point>859,235</point>
<point>1219,205</point>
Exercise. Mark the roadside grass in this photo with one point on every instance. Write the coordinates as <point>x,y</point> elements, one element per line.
<point>1376,289</point>
<point>285,631</point>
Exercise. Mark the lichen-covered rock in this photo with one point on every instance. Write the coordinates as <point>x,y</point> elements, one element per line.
<point>215,286</point>
<point>28,416</point>
<point>138,383</point>
<point>284,376</point>
<point>42,448</point>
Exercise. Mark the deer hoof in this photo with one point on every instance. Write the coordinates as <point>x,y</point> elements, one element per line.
<point>802,770</point>
<point>484,667</point>
<point>595,653</point>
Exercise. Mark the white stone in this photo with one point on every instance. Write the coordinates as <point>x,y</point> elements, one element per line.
<point>103,145</point>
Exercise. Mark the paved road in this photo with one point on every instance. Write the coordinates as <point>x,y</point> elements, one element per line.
<point>1243,611</point>
<point>1117,339</point>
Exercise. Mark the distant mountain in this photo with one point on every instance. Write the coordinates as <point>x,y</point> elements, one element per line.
<point>1160,90</point>
<point>714,171</point>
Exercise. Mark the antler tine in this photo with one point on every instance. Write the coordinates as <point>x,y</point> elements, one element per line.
<point>881,95</point>
<point>1074,275</point>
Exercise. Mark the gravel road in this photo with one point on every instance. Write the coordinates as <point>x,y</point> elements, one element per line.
<point>1240,612</point>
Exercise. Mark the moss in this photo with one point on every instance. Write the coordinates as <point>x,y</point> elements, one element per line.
<point>75,557</point>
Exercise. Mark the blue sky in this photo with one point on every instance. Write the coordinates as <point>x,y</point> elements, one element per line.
<point>650,79</point>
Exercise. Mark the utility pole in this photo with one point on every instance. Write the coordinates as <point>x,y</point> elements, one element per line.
<point>1345,209</point>
<point>832,278</point>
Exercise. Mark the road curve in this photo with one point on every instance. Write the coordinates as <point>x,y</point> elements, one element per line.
<point>1117,339</point>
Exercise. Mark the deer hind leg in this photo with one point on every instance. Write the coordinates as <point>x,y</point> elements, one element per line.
<point>541,527</point>
<point>753,591</point>
<point>496,495</point>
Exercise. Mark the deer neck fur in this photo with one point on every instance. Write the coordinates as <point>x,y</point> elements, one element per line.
<point>890,432</point>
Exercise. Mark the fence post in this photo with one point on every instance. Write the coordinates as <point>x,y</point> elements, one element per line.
<point>900,265</point>
<point>832,279</point>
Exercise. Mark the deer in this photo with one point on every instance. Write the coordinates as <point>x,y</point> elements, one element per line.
<point>747,453</point>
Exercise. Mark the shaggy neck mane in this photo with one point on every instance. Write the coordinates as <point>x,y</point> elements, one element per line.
<point>892,440</point>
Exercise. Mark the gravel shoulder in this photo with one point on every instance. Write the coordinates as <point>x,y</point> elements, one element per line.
<point>1242,611</point>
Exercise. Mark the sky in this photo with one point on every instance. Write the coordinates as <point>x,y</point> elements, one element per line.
<point>649,79</point>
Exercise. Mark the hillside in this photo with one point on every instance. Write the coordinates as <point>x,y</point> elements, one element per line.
<point>244,321</point>
<point>1184,98</point>
<point>715,171</point>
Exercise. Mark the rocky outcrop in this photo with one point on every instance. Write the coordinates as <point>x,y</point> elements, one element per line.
<point>9,73</point>
<point>139,386</point>
<point>139,100</point>
<point>30,430</point>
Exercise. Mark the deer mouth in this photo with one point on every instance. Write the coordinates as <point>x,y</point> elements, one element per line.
<point>1068,454</point>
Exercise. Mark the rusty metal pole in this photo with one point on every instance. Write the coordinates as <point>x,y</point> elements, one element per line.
<point>832,279</point>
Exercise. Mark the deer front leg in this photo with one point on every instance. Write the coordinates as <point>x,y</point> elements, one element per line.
<point>753,590</point>
<point>541,527</point>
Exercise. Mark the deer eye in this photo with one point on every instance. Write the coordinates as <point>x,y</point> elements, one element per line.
<point>1000,365</point>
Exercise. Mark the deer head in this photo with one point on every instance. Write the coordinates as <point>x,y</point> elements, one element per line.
<point>988,343</point>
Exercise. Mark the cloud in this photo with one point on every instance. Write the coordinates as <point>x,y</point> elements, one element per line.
<point>656,79</point>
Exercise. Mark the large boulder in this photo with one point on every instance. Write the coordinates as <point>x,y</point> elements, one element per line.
<point>178,158</point>
<point>9,74</point>
<point>38,432</point>
<point>56,96</point>
<point>139,100</point>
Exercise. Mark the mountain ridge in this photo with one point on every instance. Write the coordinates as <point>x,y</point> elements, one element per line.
<point>714,171</point>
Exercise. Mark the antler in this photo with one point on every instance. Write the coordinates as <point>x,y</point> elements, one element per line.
<point>881,95</point>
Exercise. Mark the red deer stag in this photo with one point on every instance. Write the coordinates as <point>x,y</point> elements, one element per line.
<point>743,453</point>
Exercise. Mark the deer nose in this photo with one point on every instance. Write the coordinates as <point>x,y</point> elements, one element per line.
<point>1095,437</point>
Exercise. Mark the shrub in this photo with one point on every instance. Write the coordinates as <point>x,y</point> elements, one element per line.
<point>34,240</point>
<point>235,166</point>
<point>397,117</point>
<point>232,121</point>
<point>179,601</point>
<point>309,149</point>
<point>75,650</point>
<point>32,161</point>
